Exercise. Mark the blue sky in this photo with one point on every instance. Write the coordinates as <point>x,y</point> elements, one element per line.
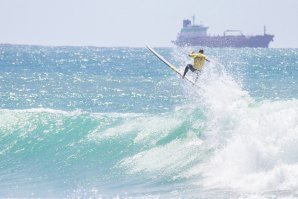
<point>136,22</point>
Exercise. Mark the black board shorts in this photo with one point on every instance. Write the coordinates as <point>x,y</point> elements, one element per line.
<point>191,67</point>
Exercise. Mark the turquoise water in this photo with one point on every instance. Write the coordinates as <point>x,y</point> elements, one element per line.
<point>81,122</point>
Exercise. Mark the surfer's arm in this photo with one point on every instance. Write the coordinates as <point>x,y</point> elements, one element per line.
<point>191,54</point>
<point>205,57</point>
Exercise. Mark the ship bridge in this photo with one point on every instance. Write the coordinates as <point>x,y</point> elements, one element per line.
<point>191,30</point>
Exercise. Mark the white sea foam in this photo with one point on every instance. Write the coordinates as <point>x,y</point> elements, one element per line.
<point>256,142</point>
<point>261,152</point>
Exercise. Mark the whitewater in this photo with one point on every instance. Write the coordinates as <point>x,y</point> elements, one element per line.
<point>91,122</point>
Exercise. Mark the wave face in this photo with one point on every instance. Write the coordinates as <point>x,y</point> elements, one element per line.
<point>78,122</point>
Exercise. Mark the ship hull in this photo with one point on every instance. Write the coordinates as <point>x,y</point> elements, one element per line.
<point>258,41</point>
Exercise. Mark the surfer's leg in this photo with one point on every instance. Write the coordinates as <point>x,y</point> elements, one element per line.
<point>189,66</point>
<point>192,68</point>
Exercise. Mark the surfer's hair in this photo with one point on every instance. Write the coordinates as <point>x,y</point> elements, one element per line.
<point>201,51</point>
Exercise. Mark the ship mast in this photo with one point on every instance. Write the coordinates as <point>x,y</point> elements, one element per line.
<point>193,20</point>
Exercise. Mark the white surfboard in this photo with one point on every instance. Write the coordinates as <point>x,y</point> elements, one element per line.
<point>168,64</point>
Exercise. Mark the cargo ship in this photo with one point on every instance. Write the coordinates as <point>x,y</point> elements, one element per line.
<point>196,35</point>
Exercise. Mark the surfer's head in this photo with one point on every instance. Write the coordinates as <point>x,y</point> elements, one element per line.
<point>201,51</point>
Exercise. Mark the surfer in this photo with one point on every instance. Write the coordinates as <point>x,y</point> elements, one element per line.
<point>199,60</point>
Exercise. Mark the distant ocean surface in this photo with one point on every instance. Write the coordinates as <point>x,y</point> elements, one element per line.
<point>89,122</point>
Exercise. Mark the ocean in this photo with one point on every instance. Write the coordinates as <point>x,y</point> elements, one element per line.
<point>94,122</point>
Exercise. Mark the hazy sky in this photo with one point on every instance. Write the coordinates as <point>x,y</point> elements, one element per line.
<point>137,22</point>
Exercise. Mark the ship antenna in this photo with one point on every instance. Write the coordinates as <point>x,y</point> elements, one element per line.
<point>193,19</point>
<point>264,30</point>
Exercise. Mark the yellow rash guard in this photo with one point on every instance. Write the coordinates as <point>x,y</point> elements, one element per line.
<point>199,60</point>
